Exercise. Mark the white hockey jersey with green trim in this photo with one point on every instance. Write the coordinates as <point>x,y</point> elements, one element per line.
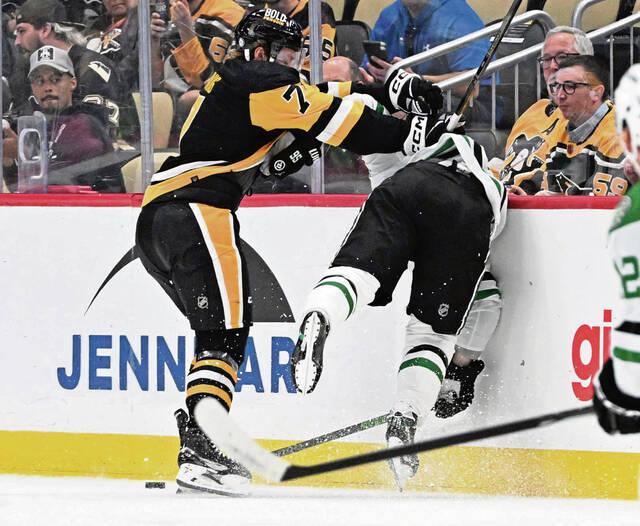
<point>624,247</point>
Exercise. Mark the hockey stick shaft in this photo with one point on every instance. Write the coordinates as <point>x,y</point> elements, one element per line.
<point>466,99</point>
<point>214,420</point>
<point>294,471</point>
<point>333,435</point>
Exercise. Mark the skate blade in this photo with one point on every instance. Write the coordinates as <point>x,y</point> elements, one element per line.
<point>401,472</point>
<point>194,479</point>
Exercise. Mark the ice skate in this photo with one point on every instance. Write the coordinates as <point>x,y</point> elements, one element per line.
<point>203,467</point>
<point>458,389</point>
<point>401,430</point>
<point>306,362</point>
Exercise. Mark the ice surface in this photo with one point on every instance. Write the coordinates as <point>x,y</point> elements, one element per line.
<point>100,502</point>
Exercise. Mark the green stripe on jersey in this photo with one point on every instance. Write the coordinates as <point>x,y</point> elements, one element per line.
<point>423,362</point>
<point>343,289</point>
<point>483,294</point>
<point>626,355</point>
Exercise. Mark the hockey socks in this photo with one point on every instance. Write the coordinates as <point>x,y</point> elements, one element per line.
<point>338,294</point>
<point>213,374</point>
<point>422,369</point>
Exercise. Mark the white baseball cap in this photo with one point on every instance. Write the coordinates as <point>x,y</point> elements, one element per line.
<point>53,57</point>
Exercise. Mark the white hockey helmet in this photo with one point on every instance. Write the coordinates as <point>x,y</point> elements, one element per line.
<point>627,98</point>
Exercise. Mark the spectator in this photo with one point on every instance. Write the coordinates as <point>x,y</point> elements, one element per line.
<point>585,157</point>
<point>343,69</point>
<point>298,10</point>
<point>193,46</point>
<point>412,26</point>
<point>76,134</point>
<point>527,145</point>
<point>83,12</point>
<point>118,39</point>
<point>14,66</point>
<point>44,23</point>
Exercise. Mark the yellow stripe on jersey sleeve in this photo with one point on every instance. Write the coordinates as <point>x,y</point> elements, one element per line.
<point>343,121</point>
<point>296,106</point>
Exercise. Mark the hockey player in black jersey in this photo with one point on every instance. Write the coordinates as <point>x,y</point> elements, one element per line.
<point>187,232</point>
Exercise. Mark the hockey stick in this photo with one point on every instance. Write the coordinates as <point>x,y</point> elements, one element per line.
<point>466,99</point>
<point>338,433</point>
<point>214,420</point>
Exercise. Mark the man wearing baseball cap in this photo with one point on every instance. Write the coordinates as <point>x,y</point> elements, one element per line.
<point>80,149</point>
<point>45,23</point>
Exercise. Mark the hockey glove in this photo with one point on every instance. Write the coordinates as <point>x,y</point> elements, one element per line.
<point>426,131</point>
<point>290,160</point>
<point>412,93</point>
<point>458,389</point>
<point>616,411</point>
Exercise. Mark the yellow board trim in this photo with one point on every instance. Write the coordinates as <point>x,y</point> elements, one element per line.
<point>478,470</point>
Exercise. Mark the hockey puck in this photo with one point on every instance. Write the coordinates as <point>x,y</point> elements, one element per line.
<point>150,484</point>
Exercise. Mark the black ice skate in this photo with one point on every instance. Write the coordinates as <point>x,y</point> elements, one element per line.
<point>457,391</point>
<point>203,467</point>
<point>306,362</point>
<point>401,430</point>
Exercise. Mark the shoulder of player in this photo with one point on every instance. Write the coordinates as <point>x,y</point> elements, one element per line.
<point>256,76</point>
<point>628,210</point>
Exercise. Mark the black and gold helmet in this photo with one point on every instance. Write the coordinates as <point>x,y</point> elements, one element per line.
<point>270,27</point>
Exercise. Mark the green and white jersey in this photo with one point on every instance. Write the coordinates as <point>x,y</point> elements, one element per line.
<point>624,246</point>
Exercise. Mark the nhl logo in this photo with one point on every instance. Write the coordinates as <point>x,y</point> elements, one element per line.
<point>45,53</point>
<point>203,302</point>
<point>443,310</point>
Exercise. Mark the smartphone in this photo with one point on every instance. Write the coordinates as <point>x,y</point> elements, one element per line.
<point>162,7</point>
<point>376,48</point>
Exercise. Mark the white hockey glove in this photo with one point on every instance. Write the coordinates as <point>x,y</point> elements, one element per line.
<point>412,93</point>
<point>291,159</point>
<point>426,131</point>
<point>616,411</point>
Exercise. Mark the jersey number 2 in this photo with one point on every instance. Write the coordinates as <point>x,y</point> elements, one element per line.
<point>303,105</point>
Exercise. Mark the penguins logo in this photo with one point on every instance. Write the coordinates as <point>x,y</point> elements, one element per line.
<point>269,303</point>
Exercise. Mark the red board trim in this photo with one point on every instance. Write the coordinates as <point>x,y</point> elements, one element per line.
<point>272,200</point>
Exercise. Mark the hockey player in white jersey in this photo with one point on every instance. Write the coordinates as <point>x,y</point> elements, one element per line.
<point>617,387</point>
<point>439,208</point>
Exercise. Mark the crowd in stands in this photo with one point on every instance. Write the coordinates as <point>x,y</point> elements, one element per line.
<point>76,62</point>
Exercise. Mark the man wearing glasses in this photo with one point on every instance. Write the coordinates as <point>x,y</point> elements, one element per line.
<point>585,157</point>
<point>527,144</point>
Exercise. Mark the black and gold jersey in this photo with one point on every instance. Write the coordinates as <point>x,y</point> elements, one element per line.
<point>528,142</point>
<point>592,167</point>
<point>196,61</point>
<point>239,115</point>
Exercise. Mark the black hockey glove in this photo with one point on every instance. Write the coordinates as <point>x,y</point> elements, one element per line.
<point>412,93</point>
<point>426,131</point>
<point>616,411</point>
<point>458,389</point>
<point>303,151</point>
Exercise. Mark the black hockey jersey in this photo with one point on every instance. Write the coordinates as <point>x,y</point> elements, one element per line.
<point>242,111</point>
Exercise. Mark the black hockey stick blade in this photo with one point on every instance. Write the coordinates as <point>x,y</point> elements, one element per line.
<point>214,420</point>
<point>333,435</point>
<point>466,99</point>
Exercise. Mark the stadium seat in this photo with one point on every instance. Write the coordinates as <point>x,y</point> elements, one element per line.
<point>349,38</point>
<point>162,116</point>
<point>132,170</point>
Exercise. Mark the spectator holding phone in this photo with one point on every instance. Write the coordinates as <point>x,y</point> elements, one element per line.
<point>191,41</point>
<point>408,27</point>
